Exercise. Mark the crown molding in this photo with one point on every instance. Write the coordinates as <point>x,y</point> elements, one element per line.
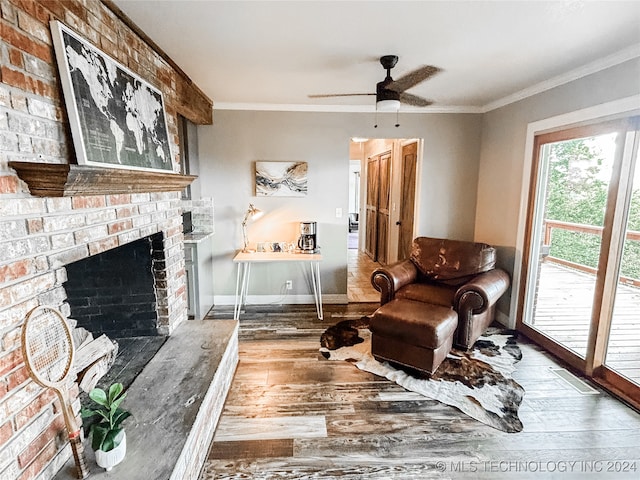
<point>291,107</point>
<point>622,56</point>
<point>601,64</point>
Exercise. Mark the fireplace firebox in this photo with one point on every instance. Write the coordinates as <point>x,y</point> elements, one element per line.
<point>114,292</point>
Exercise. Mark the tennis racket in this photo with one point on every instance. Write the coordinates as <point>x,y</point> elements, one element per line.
<point>48,351</point>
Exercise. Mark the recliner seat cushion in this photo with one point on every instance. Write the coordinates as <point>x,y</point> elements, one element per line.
<point>451,261</point>
<point>428,293</point>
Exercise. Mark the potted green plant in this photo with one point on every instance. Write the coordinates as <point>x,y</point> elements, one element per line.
<point>108,438</point>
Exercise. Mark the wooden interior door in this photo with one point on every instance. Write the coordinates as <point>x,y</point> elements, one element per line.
<point>384,197</point>
<point>377,211</point>
<point>407,199</point>
<point>371,235</point>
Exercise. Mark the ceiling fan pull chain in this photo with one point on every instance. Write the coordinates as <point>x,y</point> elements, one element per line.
<point>397,122</point>
<point>376,118</point>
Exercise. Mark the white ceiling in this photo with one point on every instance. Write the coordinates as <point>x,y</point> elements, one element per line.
<point>272,54</point>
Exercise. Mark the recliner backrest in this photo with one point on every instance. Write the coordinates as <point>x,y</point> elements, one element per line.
<point>451,261</point>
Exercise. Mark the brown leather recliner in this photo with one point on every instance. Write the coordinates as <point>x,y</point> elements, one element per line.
<point>449,273</point>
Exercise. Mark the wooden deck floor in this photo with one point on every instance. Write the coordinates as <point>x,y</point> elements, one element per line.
<point>563,311</point>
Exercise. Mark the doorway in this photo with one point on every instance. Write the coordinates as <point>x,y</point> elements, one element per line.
<point>354,204</point>
<point>387,197</point>
<point>581,281</point>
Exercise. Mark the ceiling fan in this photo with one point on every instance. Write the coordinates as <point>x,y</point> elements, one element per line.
<point>391,93</point>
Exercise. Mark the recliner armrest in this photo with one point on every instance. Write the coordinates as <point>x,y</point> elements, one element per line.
<point>388,280</point>
<point>482,291</point>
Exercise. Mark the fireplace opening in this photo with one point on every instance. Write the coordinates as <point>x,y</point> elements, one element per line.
<point>113,293</point>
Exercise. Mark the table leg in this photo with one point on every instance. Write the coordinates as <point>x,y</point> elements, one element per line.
<point>246,274</point>
<point>321,315</point>
<point>238,304</point>
<point>317,288</point>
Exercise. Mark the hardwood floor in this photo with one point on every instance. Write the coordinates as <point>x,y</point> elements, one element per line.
<point>359,270</point>
<point>292,414</point>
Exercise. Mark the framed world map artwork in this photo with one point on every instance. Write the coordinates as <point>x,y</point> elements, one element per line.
<point>117,119</point>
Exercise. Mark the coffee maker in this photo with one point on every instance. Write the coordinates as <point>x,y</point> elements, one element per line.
<point>307,243</point>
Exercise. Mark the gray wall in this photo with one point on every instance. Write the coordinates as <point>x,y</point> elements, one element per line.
<point>503,151</point>
<point>228,151</point>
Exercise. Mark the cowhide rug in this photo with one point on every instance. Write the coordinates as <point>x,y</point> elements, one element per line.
<point>477,382</point>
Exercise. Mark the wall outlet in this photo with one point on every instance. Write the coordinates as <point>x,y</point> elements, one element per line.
<point>289,285</point>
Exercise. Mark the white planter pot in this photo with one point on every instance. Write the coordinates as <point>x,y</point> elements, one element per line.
<point>108,460</point>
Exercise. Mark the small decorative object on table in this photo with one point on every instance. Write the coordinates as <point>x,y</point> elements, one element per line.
<point>108,438</point>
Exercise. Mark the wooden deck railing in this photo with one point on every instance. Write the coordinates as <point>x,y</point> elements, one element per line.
<point>549,225</point>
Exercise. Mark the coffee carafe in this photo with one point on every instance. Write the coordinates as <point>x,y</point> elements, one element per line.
<point>307,242</point>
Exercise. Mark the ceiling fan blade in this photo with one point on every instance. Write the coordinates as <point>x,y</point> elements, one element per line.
<point>325,95</point>
<point>413,78</point>
<point>414,100</point>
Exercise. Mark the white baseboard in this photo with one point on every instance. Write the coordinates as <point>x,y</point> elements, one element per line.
<point>504,319</point>
<point>331,299</point>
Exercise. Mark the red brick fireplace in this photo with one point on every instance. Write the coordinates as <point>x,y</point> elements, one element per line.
<point>39,237</point>
<point>41,234</point>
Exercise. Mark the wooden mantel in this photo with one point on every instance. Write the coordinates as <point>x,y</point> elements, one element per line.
<point>64,180</point>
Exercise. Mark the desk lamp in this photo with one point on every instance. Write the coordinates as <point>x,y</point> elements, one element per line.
<point>253,213</point>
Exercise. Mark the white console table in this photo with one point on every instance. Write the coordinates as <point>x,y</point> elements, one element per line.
<point>245,260</point>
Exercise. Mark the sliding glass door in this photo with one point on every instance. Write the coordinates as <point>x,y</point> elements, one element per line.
<point>581,281</point>
<point>623,351</point>
<point>621,328</point>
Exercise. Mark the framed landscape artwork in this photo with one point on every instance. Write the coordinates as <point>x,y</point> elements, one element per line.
<point>117,119</point>
<point>281,179</point>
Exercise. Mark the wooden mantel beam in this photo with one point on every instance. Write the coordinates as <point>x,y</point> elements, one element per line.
<point>64,180</point>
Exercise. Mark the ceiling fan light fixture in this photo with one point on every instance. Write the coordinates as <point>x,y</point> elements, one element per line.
<point>391,93</point>
<point>387,100</point>
<point>388,105</point>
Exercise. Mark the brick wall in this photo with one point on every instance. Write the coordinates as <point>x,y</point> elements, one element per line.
<point>39,236</point>
<point>33,123</point>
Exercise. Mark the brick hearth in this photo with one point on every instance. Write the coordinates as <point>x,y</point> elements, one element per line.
<point>168,438</point>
